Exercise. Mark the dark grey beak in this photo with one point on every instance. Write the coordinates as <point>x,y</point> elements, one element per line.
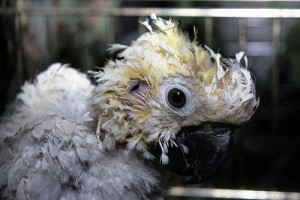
<point>208,147</point>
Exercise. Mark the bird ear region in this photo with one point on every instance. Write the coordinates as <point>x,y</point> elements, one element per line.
<point>138,89</point>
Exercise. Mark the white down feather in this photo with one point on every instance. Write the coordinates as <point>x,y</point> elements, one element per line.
<point>49,149</point>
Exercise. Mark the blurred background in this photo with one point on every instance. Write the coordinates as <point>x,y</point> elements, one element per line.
<point>266,152</point>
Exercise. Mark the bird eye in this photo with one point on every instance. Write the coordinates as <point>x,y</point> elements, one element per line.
<point>179,99</point>
<point>176,98</point>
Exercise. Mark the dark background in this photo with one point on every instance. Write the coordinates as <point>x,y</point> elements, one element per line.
<point>266,152</point>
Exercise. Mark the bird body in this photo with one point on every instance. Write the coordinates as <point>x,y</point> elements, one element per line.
<point>164,99</point>
<point>49,149</point>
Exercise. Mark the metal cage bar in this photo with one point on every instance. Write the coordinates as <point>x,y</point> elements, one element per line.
<point>232,194</point>
<point>172,12</point>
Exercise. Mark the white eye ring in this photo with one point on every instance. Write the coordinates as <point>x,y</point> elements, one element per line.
<point>179,99</point>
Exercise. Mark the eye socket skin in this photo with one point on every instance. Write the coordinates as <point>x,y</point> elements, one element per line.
<point>179,99</point>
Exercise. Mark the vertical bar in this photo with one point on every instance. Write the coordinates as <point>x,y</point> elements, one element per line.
<point>242,33</point>
<point>48,42</point>
<point>275,74</point>
<point>78,31</point>
<point>19,54</point>
<point>111,29</point>
<point>141,29</point>
<point>208,28</point>
<point>79,38</point>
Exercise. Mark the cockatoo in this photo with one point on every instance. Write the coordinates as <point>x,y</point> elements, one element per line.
<point>164,102</point>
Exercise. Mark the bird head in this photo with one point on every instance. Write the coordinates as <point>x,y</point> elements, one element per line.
<point>173,100</point>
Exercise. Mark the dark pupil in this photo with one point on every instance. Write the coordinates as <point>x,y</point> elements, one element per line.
<point>176,98</point>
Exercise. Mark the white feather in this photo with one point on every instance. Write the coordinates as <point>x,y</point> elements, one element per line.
<point>116,47</point>
<point>164,159</point>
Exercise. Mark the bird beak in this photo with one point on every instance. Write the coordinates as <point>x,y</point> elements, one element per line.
<point>201,150</point>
